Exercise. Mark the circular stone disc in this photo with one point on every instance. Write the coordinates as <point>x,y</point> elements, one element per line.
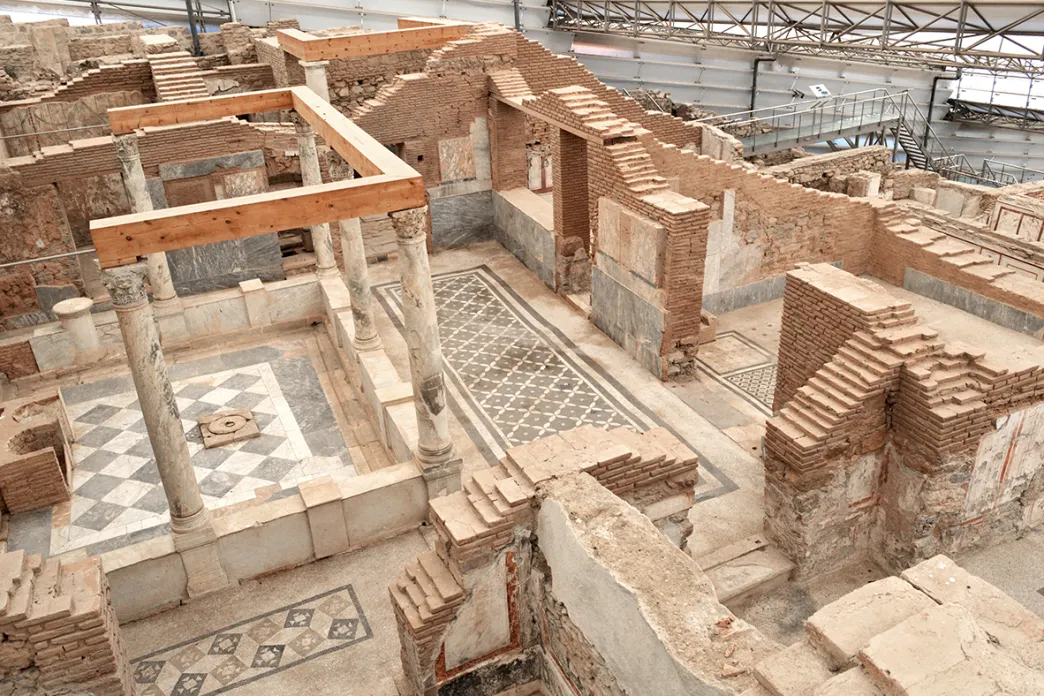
<point>226,424</point>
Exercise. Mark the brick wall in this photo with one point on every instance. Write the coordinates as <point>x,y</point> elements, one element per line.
<point>352,81</point>
<point>785,222</point>
<point>507,146</point>
<point>158,145</point>
<point>898,245</point>
<point>823,307</point>
<point>17,360</point>
<point>129,76</point>
<point>60,633</point>
<point>899,446</point>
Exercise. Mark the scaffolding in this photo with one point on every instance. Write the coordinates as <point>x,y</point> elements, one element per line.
<point>1001,36</point>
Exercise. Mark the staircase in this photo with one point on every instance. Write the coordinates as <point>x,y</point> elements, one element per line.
<point>910,146</point>
<point>177,76</point>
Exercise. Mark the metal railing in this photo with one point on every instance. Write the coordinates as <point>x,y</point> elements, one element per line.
<point>1015,173</point>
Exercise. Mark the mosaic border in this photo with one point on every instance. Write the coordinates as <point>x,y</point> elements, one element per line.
<point>540,326</point>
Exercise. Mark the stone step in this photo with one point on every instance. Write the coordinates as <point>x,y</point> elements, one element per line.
<point>854,682</point>
<point>745,569</point>
<point>794,671</point>
<point>798,419</point>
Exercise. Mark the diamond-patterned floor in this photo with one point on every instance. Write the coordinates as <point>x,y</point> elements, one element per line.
<point>256,648</point>
<point>117,494</point>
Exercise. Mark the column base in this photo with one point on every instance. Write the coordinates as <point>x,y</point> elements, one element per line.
<point>196,542</point>
<point>330,272</point>
<point>367,344</point>
<point>442,478</point>
<point>170,318</point>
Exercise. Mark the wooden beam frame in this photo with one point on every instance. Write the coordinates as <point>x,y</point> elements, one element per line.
<point>419,34</point>
<point>387,184</point>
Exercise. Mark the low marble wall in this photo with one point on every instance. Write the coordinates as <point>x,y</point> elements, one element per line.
<point>632,319</point>
<point>252,305</point>
<point>292,531</point>
<point>524,225</point>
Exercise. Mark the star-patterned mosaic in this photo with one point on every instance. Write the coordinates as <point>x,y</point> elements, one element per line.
<point>255,648</point>
<point>117,492</point>
<point>743,366</point>
<point>524,387</point>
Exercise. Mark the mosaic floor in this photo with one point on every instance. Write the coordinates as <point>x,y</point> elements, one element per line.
<point>256,648</point>
<point>514,378</point>
<point>742,366</point>
<point>117,495</point>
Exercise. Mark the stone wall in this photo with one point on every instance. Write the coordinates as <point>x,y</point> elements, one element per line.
<point>34,224</point>
<point>352,81</point>
<point>893,448</point>
<point>829,172</point>
<point>524,225</point>
<point>128,76</point>
<point>47,124</point>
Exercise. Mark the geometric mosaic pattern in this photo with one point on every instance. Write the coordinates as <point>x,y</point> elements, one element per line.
<point>116,485</point>
<point>523,386</point>
<point>513,377</point>
<point>255,648</point>
<point>759,382</point>
<point>743,366</point>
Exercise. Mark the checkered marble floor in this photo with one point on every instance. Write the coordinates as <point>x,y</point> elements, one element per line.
<point>256,648</point>
<point>116,484</point>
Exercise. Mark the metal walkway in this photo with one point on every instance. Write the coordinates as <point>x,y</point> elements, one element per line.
<point>894,118</point>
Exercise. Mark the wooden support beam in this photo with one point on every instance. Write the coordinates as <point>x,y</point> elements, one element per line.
<point>414,22</point>
<point>366,156</point>
<point>121,240</point>
<point>126,119</point>
<point>307,47</point>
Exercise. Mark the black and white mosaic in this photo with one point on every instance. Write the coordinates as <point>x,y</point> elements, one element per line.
<point>117,493</point>
<point>513,378</point>
<point>742,366</point>
<point>256,648</point>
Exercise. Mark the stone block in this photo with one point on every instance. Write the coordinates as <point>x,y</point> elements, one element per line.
<point>943,651</point>
<point>854,682</point>
<point>1016,627</point>
<point>256,302</point>
<point>383,503</point>
<point>842,627</point>
<point>322,499</point>
<point>925,196</point>
<point>219,429</point>
<point>634,241</point>
<point>794,671</point>
<point>950,200</point>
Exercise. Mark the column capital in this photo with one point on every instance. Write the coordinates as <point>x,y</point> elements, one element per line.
<point>127,148</point>
<point>126,285</point>
<point>410,225</point>
<point>313,64</point>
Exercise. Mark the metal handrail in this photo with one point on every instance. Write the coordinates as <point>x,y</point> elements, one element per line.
<point>1024,173</point>
<point>797,103</point>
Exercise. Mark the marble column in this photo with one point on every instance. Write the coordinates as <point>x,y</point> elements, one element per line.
<point>190,523</point>
<point>357,278</point>
<point>311,175</point>
<point>435,450</point>
<point>315,77</point>
<point>168,307</point>
<point>77,320</point>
